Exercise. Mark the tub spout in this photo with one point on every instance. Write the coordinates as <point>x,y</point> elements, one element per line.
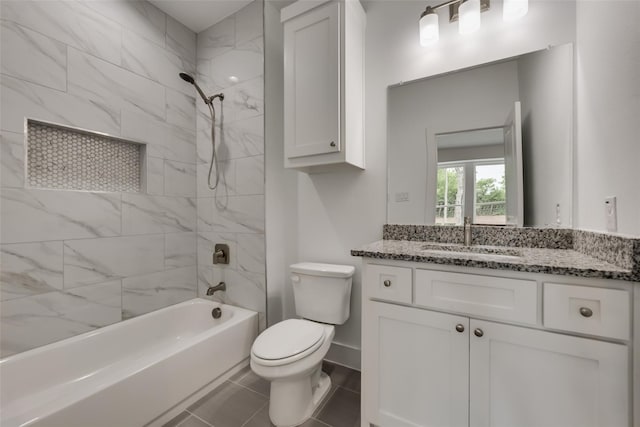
<point>219,287</point>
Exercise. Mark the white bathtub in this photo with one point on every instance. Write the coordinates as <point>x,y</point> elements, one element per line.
<point>127,374</point>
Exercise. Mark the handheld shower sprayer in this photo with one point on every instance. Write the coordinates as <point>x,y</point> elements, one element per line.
<point>209,101</point>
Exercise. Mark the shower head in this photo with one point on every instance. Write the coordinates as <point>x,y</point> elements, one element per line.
<point>189,79</point>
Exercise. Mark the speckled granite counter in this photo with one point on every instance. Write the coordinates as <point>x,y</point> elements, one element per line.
<point>551,260</point>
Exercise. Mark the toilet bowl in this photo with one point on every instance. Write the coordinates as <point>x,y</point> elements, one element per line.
<point>290,353</point>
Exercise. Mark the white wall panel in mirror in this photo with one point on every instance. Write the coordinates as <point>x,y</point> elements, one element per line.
<point>427,114</point>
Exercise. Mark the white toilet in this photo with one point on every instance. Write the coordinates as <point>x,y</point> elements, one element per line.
<point>290,353</point>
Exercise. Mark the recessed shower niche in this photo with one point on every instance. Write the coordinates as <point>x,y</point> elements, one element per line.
<point>65,158</point>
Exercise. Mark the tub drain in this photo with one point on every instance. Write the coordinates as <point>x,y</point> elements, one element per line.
<point>216,313</point>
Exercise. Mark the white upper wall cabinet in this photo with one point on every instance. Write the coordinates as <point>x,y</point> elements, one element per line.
<point>323,84</point>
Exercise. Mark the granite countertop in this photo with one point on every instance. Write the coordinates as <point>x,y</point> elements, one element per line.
<point>536,260</point>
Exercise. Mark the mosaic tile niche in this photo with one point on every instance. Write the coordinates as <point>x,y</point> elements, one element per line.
<point>64,158</point>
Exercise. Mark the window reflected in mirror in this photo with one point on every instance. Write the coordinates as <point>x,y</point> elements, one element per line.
<point>488,204</point>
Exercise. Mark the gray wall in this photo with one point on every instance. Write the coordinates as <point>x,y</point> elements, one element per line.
<point>75,261</point>
<point>546,87</point>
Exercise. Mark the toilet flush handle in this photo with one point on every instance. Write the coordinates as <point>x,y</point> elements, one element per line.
<point>295,278</point>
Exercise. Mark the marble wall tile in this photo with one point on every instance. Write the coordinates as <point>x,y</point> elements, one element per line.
<point>251,253</point>
<point>141,127</point>
<point>243,138</point>
<point>234,212</point>
<point>103,303</point>
<point>93,78</point>
<point>179,178</point>
<point>206,246</point>
<point>142,294</point>
<point>30,269</point>
<point>139,16</point>
<point>91,261</point>
<point>205,214</point>
<point>217,39</point>
<point>30,56</point>
<point>146,214</point>
<point>203,136</point>
<point>226,183</point>
<point>249,22</point>
<point>155,176</point>
<point>11,159</point>
<point>102,66</point>
<point>250,175</point>
<point>245,62</point>
<point>22,99</point>
<point>37,320</point>
<point>180,40</point>
<point>149,60</point>
<point>40,215</point>
<point>203,75</point>
<point>181,109</point>
<point>180,250</point>
<point>248,99</point>
<point>70,22</point>
<point>240,214</point>
<point>244,289</point>
<point>180,144</point>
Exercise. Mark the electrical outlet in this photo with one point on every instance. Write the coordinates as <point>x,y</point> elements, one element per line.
<point>611,214</point>
<point>402,197</point>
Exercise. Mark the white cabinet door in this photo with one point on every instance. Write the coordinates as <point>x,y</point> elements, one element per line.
<point>312,82</point>
<point>417,368</point>
<point>529,378</point>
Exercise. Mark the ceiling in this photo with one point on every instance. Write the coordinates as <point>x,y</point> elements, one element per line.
<point>199,15</point>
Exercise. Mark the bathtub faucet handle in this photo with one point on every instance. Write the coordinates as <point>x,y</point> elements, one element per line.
<point>219,287</point>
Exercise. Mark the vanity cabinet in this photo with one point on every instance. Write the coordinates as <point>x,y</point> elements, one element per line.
<point>455,355</point>
<point>323,84</point>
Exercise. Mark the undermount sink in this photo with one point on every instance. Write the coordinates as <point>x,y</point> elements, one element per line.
<point>457,249</point>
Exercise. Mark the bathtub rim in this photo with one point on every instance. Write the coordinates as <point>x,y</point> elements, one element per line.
<point>10,410</point>
<point>107,328</point>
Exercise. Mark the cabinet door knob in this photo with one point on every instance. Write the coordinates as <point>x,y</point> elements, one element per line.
<point>460,327</point>
<point>586,312</point>
<point>333,143</point>
<point>478,332</point>
<point>386,283</point>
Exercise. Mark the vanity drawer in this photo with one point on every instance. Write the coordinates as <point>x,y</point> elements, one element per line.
<point>589,310</point>
<point>495,297</point>
<point>389,283</point>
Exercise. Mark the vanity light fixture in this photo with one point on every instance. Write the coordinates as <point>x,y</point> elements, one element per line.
<point>467,12</point>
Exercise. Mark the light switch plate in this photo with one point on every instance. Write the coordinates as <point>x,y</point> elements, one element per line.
<point>611,214</point>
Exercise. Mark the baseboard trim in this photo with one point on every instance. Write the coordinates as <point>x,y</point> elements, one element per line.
<point>345,355</point>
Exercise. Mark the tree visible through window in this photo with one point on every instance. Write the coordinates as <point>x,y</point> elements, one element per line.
<point>490,195</point>
<point>450,195</point>
<point>488,187</point>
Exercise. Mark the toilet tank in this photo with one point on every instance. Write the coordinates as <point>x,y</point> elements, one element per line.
<point>322,292</point>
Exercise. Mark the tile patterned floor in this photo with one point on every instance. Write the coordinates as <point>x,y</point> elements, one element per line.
<point>243,401</point>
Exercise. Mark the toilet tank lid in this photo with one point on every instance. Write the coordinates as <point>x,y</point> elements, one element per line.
<point>318,269</point>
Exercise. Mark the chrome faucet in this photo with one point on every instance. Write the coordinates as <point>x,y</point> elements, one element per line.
<point>219,287</point>
<point>467,231</point>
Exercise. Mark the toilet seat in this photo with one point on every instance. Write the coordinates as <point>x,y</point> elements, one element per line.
<point>287,342</point>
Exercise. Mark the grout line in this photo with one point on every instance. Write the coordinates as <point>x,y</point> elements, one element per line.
<point>245,374</point>
<point>195,416</point>
<point>320,421</point>
<point>249,388</point>
<point>320,408</point>
<point>346,389</point>
<point>255,414</point>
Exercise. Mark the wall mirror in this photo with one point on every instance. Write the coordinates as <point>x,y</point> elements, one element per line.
<point>493,142</point>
